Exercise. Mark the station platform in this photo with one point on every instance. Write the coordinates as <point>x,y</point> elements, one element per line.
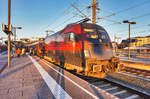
<point>3,61</point>
<point>30,77</point>
<point>138,63</point>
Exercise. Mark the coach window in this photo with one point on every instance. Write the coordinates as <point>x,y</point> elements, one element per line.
<point>71,37</point>
<point>66,37</point>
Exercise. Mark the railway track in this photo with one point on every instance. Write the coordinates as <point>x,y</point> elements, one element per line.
<point>138,72</point>
<point>115,88</point>
<point>122,91</point>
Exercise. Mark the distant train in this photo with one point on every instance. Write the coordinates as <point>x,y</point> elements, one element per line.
<point>83,47</point>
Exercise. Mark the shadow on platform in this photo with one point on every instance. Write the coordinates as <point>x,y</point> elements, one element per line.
<point>13,71</point>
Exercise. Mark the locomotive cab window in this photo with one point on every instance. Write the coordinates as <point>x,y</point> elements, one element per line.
<point>69,37</point>
<point>91,33</point>
<point>103,36</point>
<point>96,34</point>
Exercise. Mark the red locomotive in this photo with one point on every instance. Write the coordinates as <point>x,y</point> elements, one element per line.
<point>83,47</point>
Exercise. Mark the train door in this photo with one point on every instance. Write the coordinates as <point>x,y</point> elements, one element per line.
<point>69,46</point>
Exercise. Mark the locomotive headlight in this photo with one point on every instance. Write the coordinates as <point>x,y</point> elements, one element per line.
<point>86,53</point>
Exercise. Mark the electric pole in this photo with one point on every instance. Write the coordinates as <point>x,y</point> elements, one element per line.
<point>94,12</point>
<point>8,29</point>
<point>94,8</point>
<point>9,14</point>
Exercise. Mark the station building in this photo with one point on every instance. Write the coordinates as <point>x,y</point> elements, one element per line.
<point>140,42</point>
<point>137,44</point>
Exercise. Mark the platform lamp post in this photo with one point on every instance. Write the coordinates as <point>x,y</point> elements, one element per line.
<point>8,29</point>
<point>126,21</point>
<point>15,31</point>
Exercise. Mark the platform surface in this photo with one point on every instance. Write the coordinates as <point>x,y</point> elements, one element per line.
<point>3,60</point>
<point>34,78</point>
<point>136,60</point>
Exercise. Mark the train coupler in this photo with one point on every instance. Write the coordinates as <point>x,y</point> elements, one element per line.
<point>97,68</point>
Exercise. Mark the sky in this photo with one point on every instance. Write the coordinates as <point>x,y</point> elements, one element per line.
<point>37,16</point>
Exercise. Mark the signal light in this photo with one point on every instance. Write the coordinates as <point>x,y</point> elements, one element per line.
<point>7,28</point>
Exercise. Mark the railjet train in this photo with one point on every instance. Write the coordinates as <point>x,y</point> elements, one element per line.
<point>83,47</point>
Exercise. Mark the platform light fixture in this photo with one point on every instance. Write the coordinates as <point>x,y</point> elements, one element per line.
<point>15,32</point>
<point>126,21</point>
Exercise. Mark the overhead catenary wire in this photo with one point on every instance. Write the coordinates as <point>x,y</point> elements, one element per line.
<point>134,18</point>
<point>113,14</point>
<point>135,27</point>
<point>75,15</point>
<point>132,7</point>
<point>73,5</point>
<point>68,19</point>
<point>64,22</point>
<point>141,16</point>
<point>107,11</point>
<point>137,32</point>
<point>115,23</point>
<point>144,15</point>
<point>112,20</point>
<point>58,17</point>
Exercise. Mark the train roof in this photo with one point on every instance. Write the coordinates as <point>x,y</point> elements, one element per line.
<point>91,25</point>
<point>84,24</point>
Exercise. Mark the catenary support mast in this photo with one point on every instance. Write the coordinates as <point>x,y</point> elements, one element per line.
<point>94,12</point>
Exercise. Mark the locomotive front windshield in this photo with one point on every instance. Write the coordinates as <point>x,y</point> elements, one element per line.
<point>93,34</point>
